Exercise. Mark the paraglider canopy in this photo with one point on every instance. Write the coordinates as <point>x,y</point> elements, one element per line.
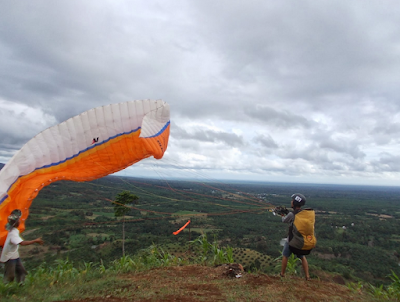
<point>91,145</point>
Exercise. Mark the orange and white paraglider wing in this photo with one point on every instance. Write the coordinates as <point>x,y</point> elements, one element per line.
<point>91,145</point>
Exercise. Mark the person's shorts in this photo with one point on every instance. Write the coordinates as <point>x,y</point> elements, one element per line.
<point>287,252</point>
<point>14,270</point>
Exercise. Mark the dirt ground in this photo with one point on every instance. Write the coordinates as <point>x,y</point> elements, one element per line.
<point>199,283</point>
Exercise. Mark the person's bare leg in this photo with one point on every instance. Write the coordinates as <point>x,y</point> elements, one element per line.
<point>284,264</point>
<point>304,263</point>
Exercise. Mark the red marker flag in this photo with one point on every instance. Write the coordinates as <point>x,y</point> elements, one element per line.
<point>180,230</point>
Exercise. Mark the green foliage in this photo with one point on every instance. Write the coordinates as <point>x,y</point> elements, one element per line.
<point>355,287</point>
<point>212,253</point>
<point>124,198</point>
<point>123,265</point>
<point>8,289</point>
<point>292,264</point>
<point>394,288</point>
<point>76,241</point>
<point>392,291</point>
<point>205,246</point>
<point>64,270</point>
<point>378,291</point>
<point>155,256</point>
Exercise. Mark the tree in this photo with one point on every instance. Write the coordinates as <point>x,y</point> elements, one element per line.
<point>121,209</point>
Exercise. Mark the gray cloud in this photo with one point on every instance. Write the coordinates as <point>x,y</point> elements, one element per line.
<point>350,148</point>
<point>387,163</point>
<point>282,119</point>
<point>267,89</point>
<point>203,135</point>
<point>266,141</point>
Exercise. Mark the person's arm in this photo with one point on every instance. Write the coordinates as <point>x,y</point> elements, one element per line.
<point>29,242</point>
<point>288,218</point>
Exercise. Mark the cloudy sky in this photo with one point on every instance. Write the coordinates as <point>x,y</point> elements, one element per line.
<point>294,91</point>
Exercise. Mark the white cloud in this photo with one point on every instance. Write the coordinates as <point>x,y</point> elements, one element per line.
<point>19,123</point>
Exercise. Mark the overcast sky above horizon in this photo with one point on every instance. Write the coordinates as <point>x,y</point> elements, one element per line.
<point>293,91</point>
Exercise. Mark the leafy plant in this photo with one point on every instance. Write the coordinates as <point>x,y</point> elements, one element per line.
<point>212,252</point>
<point>378,291</point>
<point>156,256</point>
<point>205,246</point>
<point>124,264</point>
<point>64,270</point>
<point>88,267</point>
<point>355,287</point>
<point>394,288</point>
<point>292,264</point>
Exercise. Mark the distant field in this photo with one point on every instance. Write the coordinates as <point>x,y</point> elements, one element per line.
<point>202,230</point>
<point>183,216</point>
<point>187,213</point>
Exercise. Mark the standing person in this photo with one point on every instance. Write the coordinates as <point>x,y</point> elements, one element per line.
<point>298,200</point>
<point>13,268</point>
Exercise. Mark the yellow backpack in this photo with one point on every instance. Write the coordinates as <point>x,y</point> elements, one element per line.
<point>301,233</point>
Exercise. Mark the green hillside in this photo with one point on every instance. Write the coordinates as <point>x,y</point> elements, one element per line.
<point>356,227</point>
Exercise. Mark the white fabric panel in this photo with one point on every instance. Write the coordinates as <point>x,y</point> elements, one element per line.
<point>50,147</point>
<point>61,152</point>
<point>65,140</point>
<point>133,120</point>
<point>146,107</point>
<point>139,113</point>
<point>86,136</point>
<point>27,160</point>
<point>79,138</point>
<point>123,108</point>
<point>116,116</point>
<point>38,151</point>
<point>93,127</point>
<point>108,121</point>
<point>72,134</point>
<point>154,121</point>
<point>101,128</point>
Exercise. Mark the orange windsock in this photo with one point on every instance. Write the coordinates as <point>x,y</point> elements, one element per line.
<point>180,230</point>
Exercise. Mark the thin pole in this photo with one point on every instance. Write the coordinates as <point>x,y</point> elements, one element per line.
<point>189,233</point>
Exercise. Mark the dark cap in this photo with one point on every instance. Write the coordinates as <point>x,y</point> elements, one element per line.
<point>13,219</point>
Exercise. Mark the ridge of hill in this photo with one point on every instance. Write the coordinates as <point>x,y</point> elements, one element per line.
<point>194,282</point>
<point>204,283</point>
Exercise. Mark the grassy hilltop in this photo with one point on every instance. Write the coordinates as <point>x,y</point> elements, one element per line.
<point>158,276</point>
